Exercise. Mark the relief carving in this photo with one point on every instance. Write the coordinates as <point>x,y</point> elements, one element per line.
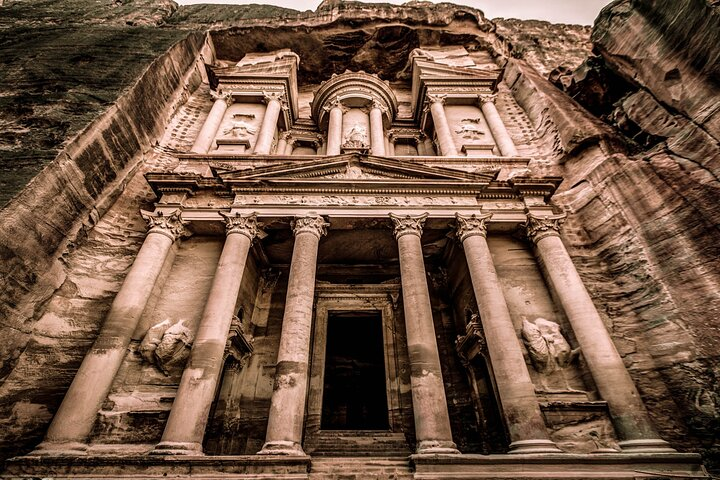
<point>470,129</point>
<point>167,345</point>
<point>548,348</point>
<point>356,137</point>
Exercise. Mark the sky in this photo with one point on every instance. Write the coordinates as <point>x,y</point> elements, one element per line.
<point>556,11</point>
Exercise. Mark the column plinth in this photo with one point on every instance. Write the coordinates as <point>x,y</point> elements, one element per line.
<point>287,406</point>
<point>269,123</point>
<point>445,138</point>
<point>627,411</point>
<point>516,390</point>
<point>432,422</point>
<point>377,134</point>
<point>497,127</point>
<point>335,127</point>
<point>185,428</point>
<point>74,420</point>
<point>206,137</point>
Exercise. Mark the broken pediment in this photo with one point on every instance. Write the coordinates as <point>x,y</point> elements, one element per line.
<point>356,168</point>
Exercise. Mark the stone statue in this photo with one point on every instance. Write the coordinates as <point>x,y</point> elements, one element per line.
<point>548,348</point>
<point>356,137</point>
<point>167,345</point>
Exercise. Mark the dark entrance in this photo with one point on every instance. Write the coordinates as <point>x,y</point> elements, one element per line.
<point>354,396</point>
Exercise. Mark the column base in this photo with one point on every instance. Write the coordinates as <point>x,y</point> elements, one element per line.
<point>177,448</point>
<point>429,447</point>
<point>59,449</point>
<point>534,446</point>
<point>645,445</point>
<point>282,447</point>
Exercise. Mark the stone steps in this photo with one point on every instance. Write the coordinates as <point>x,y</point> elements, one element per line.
<point>357,443</point>
<point>373,468</point>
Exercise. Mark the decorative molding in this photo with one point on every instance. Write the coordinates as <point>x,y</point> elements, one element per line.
<point>243,224</point>
<point>541,226</point>
<point>408,224</point>
<point>469,225</point>
<point>237,346</point>
<point>314,224</point>
<point>171,225</point>
<point>471,344</point>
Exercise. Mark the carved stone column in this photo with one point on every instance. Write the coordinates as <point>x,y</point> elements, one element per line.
<point>516,390</point>
<point>497,127</point>
<point>287,409</point>
<point>185,427</point>
<point>282,143</point>
<point>628,413</point>
<point>289,147</point>
<point>74,420</point>
<point>429,147</point>
<point>206,137</point>
<point>377,134</point>
<point>432,422</point>
<point>269,124</point>
<point>445,138</point>
<point>335,127</point>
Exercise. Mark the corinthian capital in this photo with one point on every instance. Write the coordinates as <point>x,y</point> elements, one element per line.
<point>224,96</point>
<point>408,224</point>
<point>469,225</point>
<point>487,98</point>
<point>314,224</point>
<point>274,96</point>
<point>169,224</point>
<point>243,224</point>
<point>541,226</point>
<point>436,98</point>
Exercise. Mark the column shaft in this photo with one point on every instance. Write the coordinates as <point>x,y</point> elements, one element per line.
<point>497,128</point>
<point>335,126</point>
<point>432,422</point>
<point>289,147</point>
<point>74,420</point>
<point>185,428</point>
<point>429,147</point>
<point>287,408</point>
<point>515,387</point>
<point>268,126</point>
<point>377,135</point>
<point>445,138</point>
<point>282,144</point>
<point>628,413</point>
<point>206,137</point>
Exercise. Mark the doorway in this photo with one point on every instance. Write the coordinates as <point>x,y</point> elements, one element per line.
<point>354,390</point>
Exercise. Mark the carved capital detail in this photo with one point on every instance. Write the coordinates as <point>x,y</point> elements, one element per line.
<point>377,104</point>
<point>336,102</point>
<point>225,96</point>
<point>541,226</point>
<point>408,224</point>
<point>169,224</point>
<point>469,225</point>
<point>274,96</point>
<point>243,224</point>
<point>314,224</point>
<point>436,98</point>
<point>486,97</point>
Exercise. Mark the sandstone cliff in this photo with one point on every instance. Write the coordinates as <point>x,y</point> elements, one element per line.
<point>639,156</point>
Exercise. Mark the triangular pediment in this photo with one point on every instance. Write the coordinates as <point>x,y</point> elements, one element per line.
<point>427,69</point>
<point>355,169</point>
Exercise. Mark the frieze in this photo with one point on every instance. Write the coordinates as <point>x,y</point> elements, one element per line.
<point>355,200</point>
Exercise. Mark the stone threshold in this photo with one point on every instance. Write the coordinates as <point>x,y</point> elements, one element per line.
<point>630,466</point>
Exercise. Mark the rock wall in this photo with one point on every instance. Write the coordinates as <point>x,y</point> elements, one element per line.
<point>641,170</point>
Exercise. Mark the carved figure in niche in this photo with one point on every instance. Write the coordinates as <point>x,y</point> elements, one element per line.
<point>240,128</point>
<point>356,137</point>
<point>470,129</point>
<point>548,348</point>
<point>167,345</point>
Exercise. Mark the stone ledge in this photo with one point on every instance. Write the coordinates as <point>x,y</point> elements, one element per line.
<point>560,466</point>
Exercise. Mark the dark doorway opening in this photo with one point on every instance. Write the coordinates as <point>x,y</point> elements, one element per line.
<point>354,396</point>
